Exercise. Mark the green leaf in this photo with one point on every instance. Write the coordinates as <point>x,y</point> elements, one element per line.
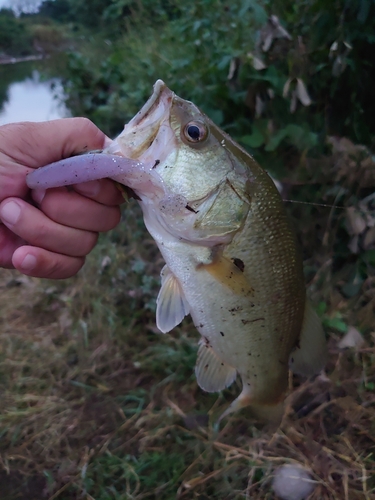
<point>369,257</point>
<point>258,12</point>
<point>224,62</point>
<point>321,308</point>
<point>364,10</point>
<point>216,115</point>
<point>275,140</point>
<point>255,140</point>
<point>300,137</point>
<point>336,323</point>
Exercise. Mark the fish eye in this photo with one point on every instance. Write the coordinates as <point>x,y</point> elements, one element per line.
<point>195,132</point>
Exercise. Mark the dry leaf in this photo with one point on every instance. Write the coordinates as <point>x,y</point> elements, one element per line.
<point>355,222</point>
<point>259,106</point>
<point>339,66</point>
<point>293,102</point>
<point>272,31</point>
<point>257,63</point>
<point>106,261</point>
<point>286,87</point>
<point>352,338</point>
<point>333,48</point>
<point>369,240</point>
<point>234,66</point>
<point>302,93</point>
<point>354,244</point>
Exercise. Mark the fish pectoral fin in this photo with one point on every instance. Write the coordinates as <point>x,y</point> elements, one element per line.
<point>212,373</point>
<point>171,305</point>
<point>310,356</point>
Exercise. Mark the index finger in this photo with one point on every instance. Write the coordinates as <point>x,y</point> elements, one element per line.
<point>36,144</point>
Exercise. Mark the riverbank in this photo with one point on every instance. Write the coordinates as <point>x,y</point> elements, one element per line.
<point>5,59</point>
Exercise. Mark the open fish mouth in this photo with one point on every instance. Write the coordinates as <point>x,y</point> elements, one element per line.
<point>155,108</point>
<point>140,133</point>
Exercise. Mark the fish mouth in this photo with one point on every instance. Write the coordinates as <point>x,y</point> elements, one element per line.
<point>139,134</point>
<point>155,108</point>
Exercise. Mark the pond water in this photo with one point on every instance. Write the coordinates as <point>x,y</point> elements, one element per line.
<point>27,96</point>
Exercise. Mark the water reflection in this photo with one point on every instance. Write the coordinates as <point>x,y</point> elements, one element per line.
<point>31,99</point>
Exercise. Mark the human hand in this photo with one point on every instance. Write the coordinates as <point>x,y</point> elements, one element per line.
<point>47,234</point>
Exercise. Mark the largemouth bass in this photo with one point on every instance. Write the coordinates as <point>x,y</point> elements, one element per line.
<point>231,257</point>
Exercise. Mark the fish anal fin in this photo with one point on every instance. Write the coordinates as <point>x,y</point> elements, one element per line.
<point>171,305</point>
<point>212,373</point>
<point>269,414</point>
<point>310,355</point>
<point>228,274</point>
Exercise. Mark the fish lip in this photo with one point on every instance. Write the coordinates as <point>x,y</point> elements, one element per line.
<point>160,94</point>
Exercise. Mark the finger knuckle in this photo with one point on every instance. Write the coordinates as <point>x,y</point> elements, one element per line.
<point>86,126</point>
<point>42,233</point>
<point>88,243</point>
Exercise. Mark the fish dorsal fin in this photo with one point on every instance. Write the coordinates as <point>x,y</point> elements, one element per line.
<point>212,373</point>
<point>310,356</point>
<point>171,305</point>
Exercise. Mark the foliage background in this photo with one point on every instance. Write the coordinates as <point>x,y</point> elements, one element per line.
<point>96,404</point>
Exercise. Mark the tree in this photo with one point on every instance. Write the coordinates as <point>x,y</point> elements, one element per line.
<point>15,38</point>
<point>59,10</point>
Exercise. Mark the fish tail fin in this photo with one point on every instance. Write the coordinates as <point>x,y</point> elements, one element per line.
<point>310,357</point>
<point>267,413</point>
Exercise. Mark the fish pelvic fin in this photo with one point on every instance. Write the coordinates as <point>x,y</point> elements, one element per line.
<point>212,373</point>
<point>171,304</point>
<point>310,357</point>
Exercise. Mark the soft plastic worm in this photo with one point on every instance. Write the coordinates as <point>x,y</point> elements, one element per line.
<point>82,168</point>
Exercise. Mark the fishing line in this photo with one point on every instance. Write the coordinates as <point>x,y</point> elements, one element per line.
<point>315,204</point>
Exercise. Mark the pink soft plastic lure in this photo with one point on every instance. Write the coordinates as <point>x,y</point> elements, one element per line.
<point>82,168</point>
<point>140,175</point>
